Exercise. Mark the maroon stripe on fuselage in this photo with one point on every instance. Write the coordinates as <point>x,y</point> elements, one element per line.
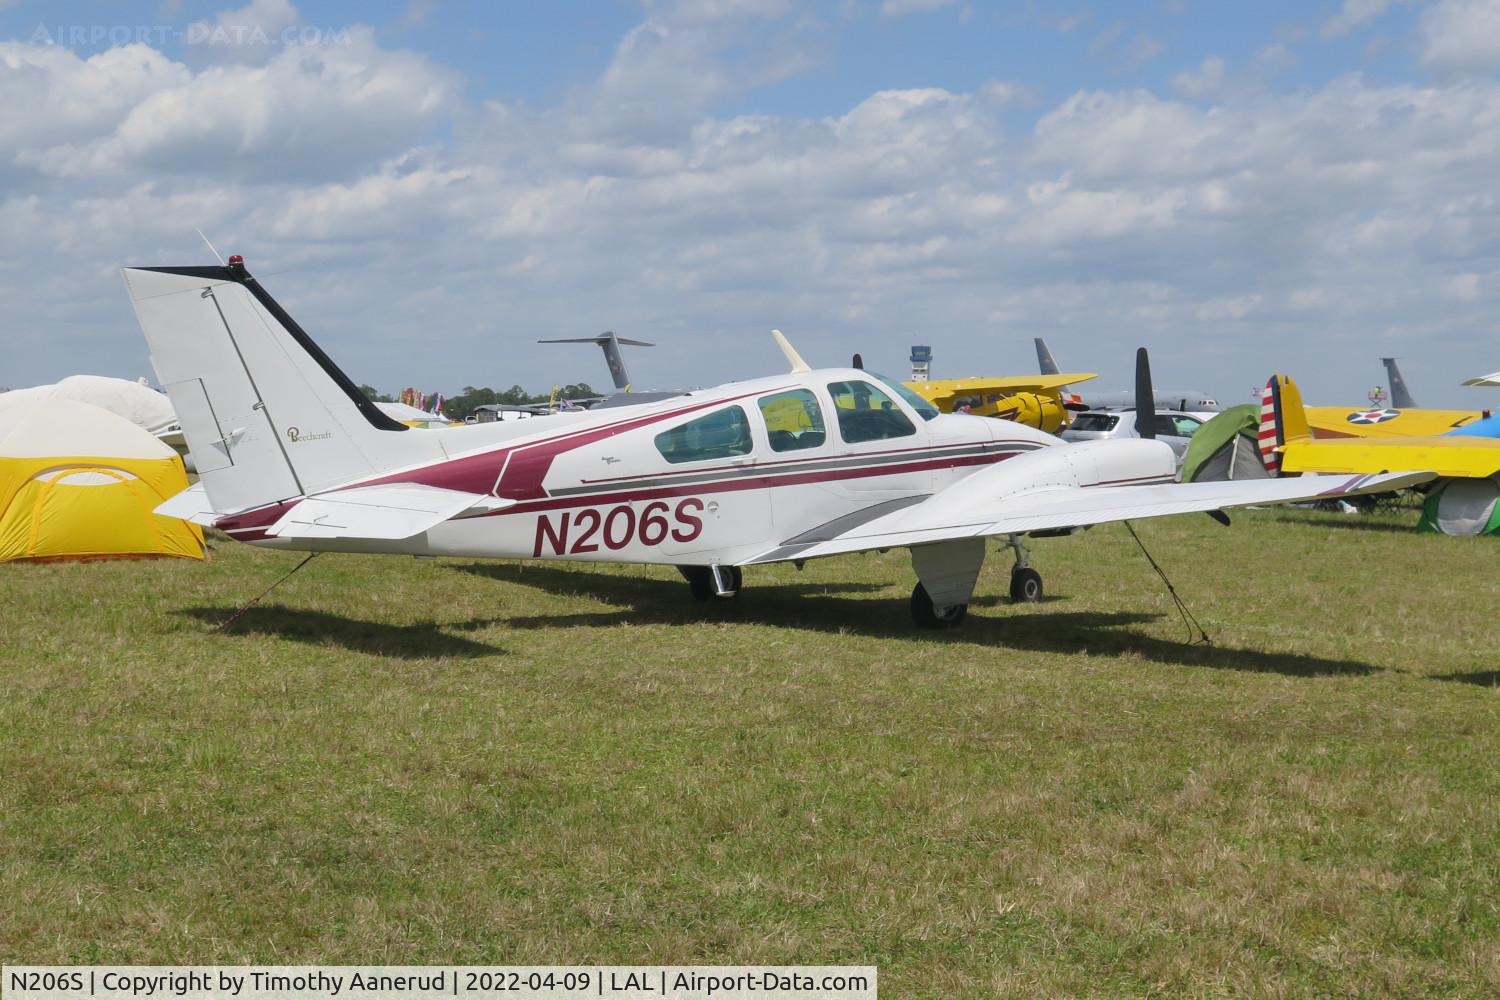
<point>264,518</point>
<point>786,463</point>
<point>524,466</point>
<point>745,483</point>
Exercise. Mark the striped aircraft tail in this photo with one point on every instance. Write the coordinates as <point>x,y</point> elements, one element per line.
<point>1282,420</point>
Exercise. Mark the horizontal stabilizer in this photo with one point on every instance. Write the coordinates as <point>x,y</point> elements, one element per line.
<point>399,510</point>
<point>190,505</point>
<point>1073,506</point>
<point>603,339</point>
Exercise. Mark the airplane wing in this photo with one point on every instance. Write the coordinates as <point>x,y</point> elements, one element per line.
<point>1004,385</point>
<point>1367,422</point>
<point>1491,379</point>
<point>398,510</point>
<point>1465,457</point>
<point>938,518</point>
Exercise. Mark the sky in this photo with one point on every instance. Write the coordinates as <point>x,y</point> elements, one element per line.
<point>432,187</point>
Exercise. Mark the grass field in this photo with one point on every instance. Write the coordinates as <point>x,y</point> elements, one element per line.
<point>399,761</point>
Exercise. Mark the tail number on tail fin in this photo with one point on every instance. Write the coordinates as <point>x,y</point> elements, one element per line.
<point>581,533</point>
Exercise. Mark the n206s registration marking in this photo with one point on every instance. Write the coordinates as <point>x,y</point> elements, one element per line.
<point>584,531</point>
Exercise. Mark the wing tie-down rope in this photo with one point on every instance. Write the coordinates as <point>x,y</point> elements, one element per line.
<point>1188,620</point>
<point>235,617</point>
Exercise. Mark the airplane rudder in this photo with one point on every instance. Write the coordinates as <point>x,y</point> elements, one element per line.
<point>1293,414</point>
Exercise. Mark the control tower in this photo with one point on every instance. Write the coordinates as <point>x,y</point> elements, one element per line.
<point>921,362</point>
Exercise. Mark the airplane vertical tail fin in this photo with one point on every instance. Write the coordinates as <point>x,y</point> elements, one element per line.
<point>610,345</point>
<point>1400,395</point>
<point>1044,361</point>
<point>266,414</point>
<point>1282,420</point>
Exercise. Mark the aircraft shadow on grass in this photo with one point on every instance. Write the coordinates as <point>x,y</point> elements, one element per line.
<point>821,607</point>
<point>1482,678</point>
<point>1349,522</point>
<point>424,640</point>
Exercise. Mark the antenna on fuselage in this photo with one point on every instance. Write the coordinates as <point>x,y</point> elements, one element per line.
<point>210,246</point>
<point>793,358</point>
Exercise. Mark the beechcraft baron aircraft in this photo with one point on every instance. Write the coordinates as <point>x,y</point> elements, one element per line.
<point>788,468</point>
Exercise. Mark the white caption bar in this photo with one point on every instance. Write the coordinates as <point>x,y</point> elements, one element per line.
<point>417,982</point>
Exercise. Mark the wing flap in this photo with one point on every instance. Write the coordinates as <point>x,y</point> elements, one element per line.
<point>395,511</point>
<point>1072,507</point>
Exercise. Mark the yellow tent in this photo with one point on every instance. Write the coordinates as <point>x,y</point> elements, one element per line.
<point>79,482</point>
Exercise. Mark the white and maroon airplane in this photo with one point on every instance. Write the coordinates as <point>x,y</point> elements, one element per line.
<point>812,463</point>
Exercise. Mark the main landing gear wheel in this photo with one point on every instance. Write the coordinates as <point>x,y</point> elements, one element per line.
<point>926,615</point>
<point>701,581</point>
<point>1025,585</point>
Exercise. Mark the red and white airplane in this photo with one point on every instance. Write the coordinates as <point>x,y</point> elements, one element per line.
<point>811,463</point>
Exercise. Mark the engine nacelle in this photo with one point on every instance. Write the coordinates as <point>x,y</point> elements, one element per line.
<point>1045,413</point>
<point>1083,464</point>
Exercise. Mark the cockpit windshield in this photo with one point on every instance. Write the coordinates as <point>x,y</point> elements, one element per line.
<point>924,409</point>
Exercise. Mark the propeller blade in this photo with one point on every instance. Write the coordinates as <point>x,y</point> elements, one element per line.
<point>1145,396</point>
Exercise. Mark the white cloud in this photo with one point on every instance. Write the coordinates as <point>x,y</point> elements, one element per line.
<point>1354,14</point>
<point>1462,36</point>
<point>1314,217</point>
<point>901,8</point>
<point>310,112</point>
<point>1205,82</point>
<point>249,35</point>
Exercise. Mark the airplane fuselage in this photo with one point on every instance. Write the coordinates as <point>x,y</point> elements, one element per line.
<point>713,476</point>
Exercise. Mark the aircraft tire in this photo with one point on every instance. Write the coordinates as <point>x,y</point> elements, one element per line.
<point>1025,586</point>
<point>927,616</point>
<point>700,581</point>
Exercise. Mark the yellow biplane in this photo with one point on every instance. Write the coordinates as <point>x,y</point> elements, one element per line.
<point>1034,400</point>
<point>1468,465</point>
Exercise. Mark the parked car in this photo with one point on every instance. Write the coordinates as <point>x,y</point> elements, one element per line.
<point>1174,427</point>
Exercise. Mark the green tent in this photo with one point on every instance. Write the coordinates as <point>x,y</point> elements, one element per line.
<point>1462,507</point>
<point>1226,448</point>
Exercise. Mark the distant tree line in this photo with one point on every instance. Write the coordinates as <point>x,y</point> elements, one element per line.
<point>459,406</point>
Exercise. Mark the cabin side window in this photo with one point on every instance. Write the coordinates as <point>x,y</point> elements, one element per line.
<point>722,434</point>
<point>867,414</point>
<point>794,420</point>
